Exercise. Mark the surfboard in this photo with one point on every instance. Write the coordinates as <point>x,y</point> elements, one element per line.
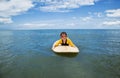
<point>64,49</point>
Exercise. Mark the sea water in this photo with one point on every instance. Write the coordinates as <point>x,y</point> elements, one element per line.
<point>28,54</point>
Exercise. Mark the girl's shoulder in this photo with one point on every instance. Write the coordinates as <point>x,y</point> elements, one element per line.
<point>68,39</point>
<point>60,40</point>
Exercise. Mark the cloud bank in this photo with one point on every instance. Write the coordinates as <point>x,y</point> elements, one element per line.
<point>64,5</point>
<point>9,8</point>
<point>111,23</point>
<point>113,13</point>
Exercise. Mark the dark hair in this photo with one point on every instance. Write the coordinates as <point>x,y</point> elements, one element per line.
<point>63,33</point>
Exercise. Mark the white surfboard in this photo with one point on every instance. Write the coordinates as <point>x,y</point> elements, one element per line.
<point>64,49</point>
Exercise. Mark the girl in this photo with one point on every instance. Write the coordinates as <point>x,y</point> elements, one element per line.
<point>64,41</point>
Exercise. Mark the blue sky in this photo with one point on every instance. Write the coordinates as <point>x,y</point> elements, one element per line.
<point>59,14</point>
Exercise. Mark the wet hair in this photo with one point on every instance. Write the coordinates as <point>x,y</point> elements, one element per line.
<point>63,33</point>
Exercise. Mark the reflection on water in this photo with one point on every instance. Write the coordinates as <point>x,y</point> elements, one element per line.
<point>28,54</point>
<point>70,55</point>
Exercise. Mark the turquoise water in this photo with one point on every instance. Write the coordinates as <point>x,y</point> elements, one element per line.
<point>28,54</point>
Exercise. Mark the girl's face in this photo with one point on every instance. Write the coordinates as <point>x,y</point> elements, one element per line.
<point>63,36</point>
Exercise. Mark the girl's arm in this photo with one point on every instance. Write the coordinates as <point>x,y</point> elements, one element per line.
<point>71,43</point>
<point>57,43</point>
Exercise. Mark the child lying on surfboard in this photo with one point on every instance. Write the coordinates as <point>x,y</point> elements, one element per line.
<point>64,41</point>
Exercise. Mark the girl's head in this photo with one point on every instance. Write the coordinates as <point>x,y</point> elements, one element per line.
<point>63,35</point>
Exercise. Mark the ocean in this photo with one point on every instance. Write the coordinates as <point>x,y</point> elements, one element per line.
<point>28,54</point>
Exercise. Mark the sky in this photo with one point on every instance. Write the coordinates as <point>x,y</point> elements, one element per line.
<point>59,14</point>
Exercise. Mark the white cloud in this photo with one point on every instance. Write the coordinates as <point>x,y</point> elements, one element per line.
<point>74,18</point>
<point>71,24</point>
<point>111,23</point>
<point>64,5</point>
<point>36,25</point>
<point>5,20</point>
<point>86,19</point>
<point>113,13</point>
<point>9,8</point>
<point>53,24</point>
<point>98,14</point>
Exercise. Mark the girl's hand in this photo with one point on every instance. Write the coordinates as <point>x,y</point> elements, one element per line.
<point>55,46</point>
